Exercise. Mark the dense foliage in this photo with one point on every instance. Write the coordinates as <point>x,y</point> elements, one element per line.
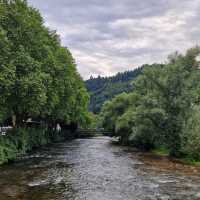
<point>105,88</point>
<point>39,83</point>
<point>21,140</point>
<point>38,77</point>
<point>163,110</point>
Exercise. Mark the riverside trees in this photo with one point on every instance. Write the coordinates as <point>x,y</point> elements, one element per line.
<point>163,110</point>
<point>38,77</point>
<point>38,80</point>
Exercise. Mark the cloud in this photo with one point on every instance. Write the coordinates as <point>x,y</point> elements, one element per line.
<point>110,36</point>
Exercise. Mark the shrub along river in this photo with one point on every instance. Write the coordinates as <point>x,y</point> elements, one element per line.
<point>96,169</point>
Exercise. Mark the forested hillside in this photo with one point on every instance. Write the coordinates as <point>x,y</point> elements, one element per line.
<point>102,89</point>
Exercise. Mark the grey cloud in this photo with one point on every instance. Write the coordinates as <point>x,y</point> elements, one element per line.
<point>110,36</point>
<point>96,10</point>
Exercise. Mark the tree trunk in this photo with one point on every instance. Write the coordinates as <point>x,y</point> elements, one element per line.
<point>14,121</point>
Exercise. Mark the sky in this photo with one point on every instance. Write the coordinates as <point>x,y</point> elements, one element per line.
<point>110,36</point>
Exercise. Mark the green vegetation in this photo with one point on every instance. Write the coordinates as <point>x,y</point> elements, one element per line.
<point>93,120</point>
<point>163,110</point>
<point>161,151</point>
<point>38,78</point>
<point>102,89</point>
<point>190,161</point>
<point>21,140</point>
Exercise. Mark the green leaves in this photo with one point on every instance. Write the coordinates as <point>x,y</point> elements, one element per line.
<point>162,109</point>
<point>38,77</point>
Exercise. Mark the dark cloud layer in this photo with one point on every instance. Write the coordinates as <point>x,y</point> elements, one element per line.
<point>110,36</point>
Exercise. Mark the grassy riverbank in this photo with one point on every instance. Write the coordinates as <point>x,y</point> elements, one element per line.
<point>185,160</point>
<point>19,141</point>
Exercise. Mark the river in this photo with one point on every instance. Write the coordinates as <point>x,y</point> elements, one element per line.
<point>96,169</point>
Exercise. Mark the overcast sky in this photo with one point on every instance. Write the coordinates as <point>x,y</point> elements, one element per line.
<point>108,36</point>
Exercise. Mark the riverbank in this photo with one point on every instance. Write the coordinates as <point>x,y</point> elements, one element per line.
<point>17,142</point>
<point>165,164</point>
<point>162,152</point>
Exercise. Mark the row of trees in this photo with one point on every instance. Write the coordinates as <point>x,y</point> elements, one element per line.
<point>38,77</point>
<point>163,110</point>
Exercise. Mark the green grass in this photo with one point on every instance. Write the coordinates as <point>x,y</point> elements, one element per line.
<point>190,161</point>
<point>161,151</point>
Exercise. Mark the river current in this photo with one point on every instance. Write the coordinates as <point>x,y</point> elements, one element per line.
<point>96,169</point>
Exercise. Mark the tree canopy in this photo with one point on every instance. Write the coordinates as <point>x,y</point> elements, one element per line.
<point>38,77</point>
<point>163,108</point>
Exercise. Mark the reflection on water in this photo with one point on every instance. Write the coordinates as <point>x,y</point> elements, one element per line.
<point>96,169</point>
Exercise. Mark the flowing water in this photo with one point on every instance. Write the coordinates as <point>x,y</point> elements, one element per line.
<point>96,169</point>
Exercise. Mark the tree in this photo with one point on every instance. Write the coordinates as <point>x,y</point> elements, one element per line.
<point>38,76</point>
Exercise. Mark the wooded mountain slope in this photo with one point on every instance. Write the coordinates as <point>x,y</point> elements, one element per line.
<point>102,89</point>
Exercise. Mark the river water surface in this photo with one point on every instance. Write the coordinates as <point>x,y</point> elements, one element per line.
<point>96,169</point>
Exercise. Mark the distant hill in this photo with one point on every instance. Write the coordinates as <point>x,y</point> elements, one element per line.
<point>102,89</point>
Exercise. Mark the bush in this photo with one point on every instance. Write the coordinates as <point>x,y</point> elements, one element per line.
<point>191,135</point>
<point>8,150</point>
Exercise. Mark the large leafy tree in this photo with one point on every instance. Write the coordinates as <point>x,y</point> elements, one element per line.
<point>38,76</point>
<point>7,74</point>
